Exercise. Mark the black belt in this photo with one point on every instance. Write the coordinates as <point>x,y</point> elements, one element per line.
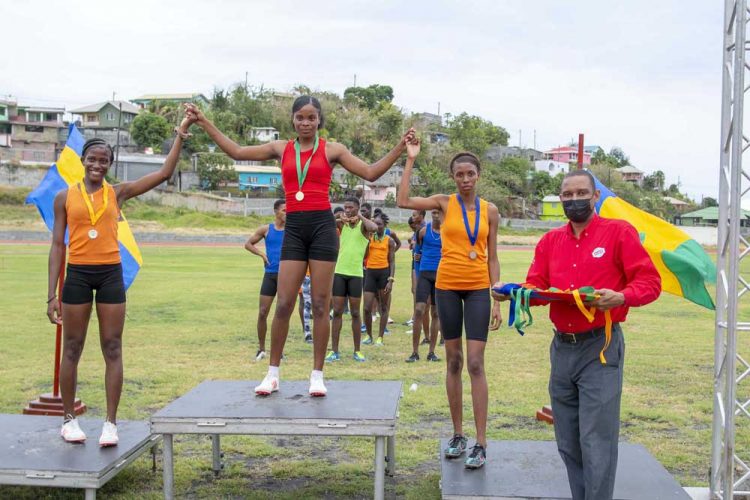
<point>574,338</point>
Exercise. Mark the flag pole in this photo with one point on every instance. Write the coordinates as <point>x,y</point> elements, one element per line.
<point>51,403</point>
<point>58,333</point>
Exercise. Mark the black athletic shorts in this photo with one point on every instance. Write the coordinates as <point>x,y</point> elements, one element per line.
<point>376,279</point>
<point>347,286</point>
<point>310,235</point>
<point>426,286</point>
<point>467,308</point>
<point>82,280</point>
<point>269,285</point>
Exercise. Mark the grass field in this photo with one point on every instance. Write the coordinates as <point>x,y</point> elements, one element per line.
<point>190,317</point>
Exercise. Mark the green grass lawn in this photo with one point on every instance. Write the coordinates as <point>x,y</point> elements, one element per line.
<point>190,317</point>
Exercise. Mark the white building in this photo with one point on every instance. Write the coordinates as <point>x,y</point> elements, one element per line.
<point>264,134</point>
<point>551,167</point>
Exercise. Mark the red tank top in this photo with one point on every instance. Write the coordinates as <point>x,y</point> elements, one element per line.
<point>317,183</point>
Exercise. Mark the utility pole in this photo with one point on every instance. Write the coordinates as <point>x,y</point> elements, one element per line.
<point>580,151</point>
<point>520,137</point>
<point>535,139</point>
<point>117,147</point>
<point>355,79</point>
<point>439,108</point>
<point>113,95</point>
<point>245,82</point>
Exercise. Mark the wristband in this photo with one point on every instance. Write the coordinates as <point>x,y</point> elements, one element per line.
<point>391,278</point>
<point>53,298</point>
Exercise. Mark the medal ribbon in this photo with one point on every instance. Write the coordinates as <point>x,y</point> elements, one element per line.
<point>302,172</point>
<point>95,216</point>
<point>472,237</point>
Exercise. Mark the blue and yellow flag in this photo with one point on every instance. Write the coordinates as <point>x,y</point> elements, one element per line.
<point>68,171</point>
<point>684,266</point>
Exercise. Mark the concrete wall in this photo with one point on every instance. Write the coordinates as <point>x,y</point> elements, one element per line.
<point>703,235</point>
<point>21,176</point>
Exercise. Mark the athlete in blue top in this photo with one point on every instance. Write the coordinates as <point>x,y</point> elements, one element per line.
<point>273,234</point>
<point>429,239</point>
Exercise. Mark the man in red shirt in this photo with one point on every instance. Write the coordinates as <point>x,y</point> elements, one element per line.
<point>608,255</point>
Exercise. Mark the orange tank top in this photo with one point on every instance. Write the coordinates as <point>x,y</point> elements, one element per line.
<point>92,244</point>
<point>377,257</point>
<point>457,271</point>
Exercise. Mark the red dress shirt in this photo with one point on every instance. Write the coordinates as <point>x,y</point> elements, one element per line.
<point>607,254</point>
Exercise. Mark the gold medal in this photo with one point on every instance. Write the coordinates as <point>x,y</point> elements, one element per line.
<point>299,196</point>
<point>93,234</point>
<point>472,255</point>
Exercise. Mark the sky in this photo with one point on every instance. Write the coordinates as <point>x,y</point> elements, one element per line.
<point>641,75</point>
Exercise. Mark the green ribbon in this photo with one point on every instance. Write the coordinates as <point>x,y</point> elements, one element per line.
<point>302,172</point>
<point>521,297</point>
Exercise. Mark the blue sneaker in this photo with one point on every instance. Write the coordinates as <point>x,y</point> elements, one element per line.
<point>367,341</point>
<point>476,458</point>
<point>332,356</point>
<point>456,446</point>
<point>358,356</point>
<point>386,331</point>
<point>363,328</point>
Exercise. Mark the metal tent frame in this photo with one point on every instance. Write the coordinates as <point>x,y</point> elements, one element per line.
<point>730,466</point>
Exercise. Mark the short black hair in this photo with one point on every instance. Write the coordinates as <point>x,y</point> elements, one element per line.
<point>352,199</point>
<point>303,101</point>
<point>277,204</point>
<point>378,210</point>
<point>367,205</point>
<point>582,173</point>
<point>410,221</point>
<point>338,209</point>
<point>97,142</point>
<point>466,157</point>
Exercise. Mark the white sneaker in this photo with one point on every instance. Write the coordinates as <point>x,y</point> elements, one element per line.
<point>109,435</point>
<point>270,384</point>
<point>390,320</point>
<point>317,387</point>
<point>71,432</point>
<point>260,355</point>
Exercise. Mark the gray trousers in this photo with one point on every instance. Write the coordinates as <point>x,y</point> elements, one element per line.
<point>585,398</point>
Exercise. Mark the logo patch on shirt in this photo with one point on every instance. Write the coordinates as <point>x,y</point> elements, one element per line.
<point>598,252</point>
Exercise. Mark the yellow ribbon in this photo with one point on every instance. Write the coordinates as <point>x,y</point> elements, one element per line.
<point>92,215</point>
<point>589,314</point>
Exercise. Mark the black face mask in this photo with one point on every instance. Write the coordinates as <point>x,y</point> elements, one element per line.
<point>577,210</point>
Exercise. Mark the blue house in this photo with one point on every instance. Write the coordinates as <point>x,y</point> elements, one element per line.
<point>258,177</point>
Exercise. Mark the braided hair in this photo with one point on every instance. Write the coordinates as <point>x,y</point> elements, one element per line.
<point>97,142</point>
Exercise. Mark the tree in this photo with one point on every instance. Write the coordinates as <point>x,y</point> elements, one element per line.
<point>542,184</point>
<point>149,130</point>
<point>654,182</point>
<point>709,202</point>
<point>215,169</point>
<point>619,156</point>
<point>390,200</point>
<point>475,134</point>
<point>369,97</point>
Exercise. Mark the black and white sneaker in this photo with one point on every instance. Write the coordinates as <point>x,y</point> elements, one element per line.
<point>414,357</point>
<point>432,357</point>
